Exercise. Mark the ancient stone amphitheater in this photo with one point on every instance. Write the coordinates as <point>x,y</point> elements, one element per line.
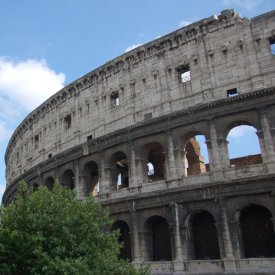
<point>126,134</point>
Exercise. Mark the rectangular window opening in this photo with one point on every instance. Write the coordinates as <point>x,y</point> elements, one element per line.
<point>232,92</point>
<point>114,99</point>
<point>272,45</point>
<point>184,73</point>
<point>67,121</point>
<point>89,138</point>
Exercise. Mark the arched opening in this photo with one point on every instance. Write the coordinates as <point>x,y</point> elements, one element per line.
<point>124,239</point>
<point>155,161</point>
<point>49,182</point>
<point>67,179</point>
<point>91,178</point>
<point>205,237</point>
<point>196,155</point>
<point>158,240</point>
<point>258,232</point>
<point>119,171</point>
<point>243,146</point>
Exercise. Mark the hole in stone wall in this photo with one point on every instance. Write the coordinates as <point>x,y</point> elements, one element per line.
<point>114,99</point>
<point>272,45</point>
<point>232,92</point>
<point>184,73</point>
<point>67,121</point>
<point>89,138</point>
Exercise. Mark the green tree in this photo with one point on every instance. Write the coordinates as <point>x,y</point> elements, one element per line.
<point>51,232</point>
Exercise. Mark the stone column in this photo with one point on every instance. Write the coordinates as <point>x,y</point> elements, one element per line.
<point>213,147</point>
<point>79,182</point>
<point>178,248</point>
<point>136,245</point>
<point>224,158</point>
<point>178,257</point>
<point>180,157</point>
<point>133,175</point>
<point>104,180</point>
<point>171,157</point>
<point>236,230</point>
<point>228,257</point>
<point>139,171</point>
<point>266,141</point>
<point>187,245</point>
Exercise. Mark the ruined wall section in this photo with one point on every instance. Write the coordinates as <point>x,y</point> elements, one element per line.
<point>225,55</point>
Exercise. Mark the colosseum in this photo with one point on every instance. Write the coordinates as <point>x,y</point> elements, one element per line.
<point>125,133</point>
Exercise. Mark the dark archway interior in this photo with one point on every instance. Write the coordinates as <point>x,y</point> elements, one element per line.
<point>91,177</point>
<point>35,186</point>
<point>125,239</point>
<point>156,158</point>
<point>205,237</point>
<point>49,182</point>
<point>67,179</point>
<point>158,239</point>
<point>258,232</point>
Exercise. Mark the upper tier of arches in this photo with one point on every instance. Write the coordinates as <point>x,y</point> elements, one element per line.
<point>182,73</point>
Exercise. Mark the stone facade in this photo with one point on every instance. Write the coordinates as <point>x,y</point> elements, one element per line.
<point>125,133</point>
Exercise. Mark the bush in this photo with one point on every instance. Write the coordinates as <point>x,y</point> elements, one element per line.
<point>50,232</point>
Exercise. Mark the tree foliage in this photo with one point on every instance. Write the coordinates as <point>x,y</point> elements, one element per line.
<point>50,232</point>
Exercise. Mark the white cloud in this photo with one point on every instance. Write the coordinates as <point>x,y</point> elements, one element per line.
<point>28,83</point>
<point>184,23</point>
<point>132,47</point>
<point>240,131</point>
<point>23,86</point>
<point>245,4</point>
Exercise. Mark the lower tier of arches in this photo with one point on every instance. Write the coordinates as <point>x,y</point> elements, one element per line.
<point>213,236</point>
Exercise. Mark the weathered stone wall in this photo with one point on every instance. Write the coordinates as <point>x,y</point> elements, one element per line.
<point>99,134</point>
<point>223,53</point>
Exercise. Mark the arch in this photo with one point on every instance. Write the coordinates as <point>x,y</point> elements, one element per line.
<point>49,182</point>
<point>236,123</point>
<point>124,239</point>
<point>257,232</point>
<point>90,175</point>
<point>119,171</point>
<point>158,239</point>
<point>155,161</point>
<point>67,179</point>
<point>204,236</point>
<point>243,144</point>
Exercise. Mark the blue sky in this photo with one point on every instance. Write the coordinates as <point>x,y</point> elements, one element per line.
<point>47,44</point>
